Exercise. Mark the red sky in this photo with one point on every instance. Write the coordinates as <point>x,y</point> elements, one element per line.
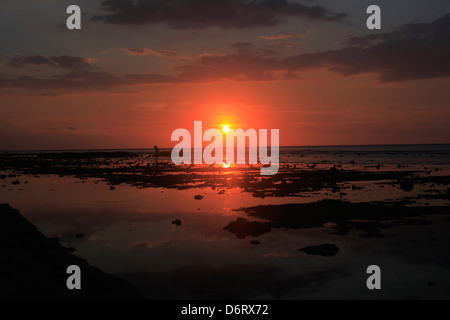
<point>322,79</point>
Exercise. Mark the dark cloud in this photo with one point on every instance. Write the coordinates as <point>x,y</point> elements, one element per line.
<point>273,48</point>
<point>65,62</point>
<point>416,51</point>
<point>136,52</point>
<point>247,48</point>
<point>243,66</point>
<point>244,46</point>
<point>82,81</point>
<point>282,36</point>
<point>18,61</point>
<point>146,52</point>
<point>206,13</point>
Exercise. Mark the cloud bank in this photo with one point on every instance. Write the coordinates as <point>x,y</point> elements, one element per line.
<point>416,51</point>
<point>65,62</point>
<point>199,14</point>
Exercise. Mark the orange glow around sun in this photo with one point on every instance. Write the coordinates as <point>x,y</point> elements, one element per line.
<point>226,129</point>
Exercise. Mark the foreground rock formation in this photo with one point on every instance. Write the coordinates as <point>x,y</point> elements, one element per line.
<point>33,266</point>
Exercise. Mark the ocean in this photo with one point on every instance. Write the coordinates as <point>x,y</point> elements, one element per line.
<point>211,233</point>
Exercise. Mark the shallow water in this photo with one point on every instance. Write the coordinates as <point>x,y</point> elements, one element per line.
<point>129,232</point>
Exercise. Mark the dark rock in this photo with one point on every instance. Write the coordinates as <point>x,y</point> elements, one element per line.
<point>79,235</point>
<point>15,182</point>
<point>177,222</point>
<point>255,242</point>
<point>244,228</point>
<point>198,197</point>
<point>406,185</point>
<point>325,250</point>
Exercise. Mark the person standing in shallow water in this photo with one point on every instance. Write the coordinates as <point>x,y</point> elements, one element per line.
<point>156,155</point>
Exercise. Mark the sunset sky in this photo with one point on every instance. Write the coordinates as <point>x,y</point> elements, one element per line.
<point>140,69</point>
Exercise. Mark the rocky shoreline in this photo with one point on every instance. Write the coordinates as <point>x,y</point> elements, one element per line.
<point>34,266</point>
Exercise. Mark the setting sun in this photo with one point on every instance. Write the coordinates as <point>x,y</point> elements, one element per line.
<point>226,129</point>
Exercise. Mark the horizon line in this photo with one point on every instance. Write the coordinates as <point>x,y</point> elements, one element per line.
<point>150,148</point>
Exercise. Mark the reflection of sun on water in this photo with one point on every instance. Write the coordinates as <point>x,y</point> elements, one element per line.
<point>225,129</point>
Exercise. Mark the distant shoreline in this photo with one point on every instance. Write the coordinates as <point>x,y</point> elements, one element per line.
<point>150,149</point>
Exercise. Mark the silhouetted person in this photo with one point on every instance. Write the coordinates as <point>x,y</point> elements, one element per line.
<point>156,154</point>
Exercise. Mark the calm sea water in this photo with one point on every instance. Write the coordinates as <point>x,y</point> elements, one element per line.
<point>379,154</point>
<point>129,232</point>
